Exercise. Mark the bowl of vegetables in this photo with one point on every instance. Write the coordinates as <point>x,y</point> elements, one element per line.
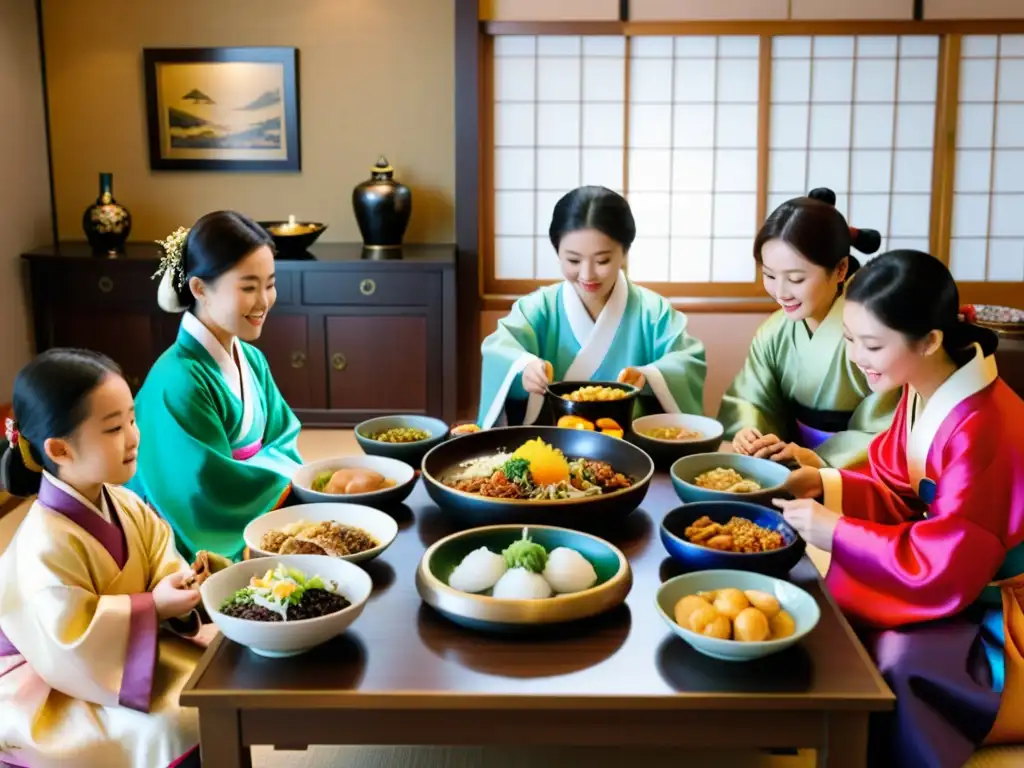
<point>371,480</point>
<point>288,604</point>
<point>406,438</point>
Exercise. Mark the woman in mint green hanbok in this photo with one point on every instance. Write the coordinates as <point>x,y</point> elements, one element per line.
<point>797,396</point>
<point>223,441</point>
<point>596,325</point>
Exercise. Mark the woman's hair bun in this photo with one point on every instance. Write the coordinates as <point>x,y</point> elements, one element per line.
<point>824,194</point>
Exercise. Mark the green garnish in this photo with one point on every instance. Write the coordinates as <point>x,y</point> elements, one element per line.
<point>320,481</point>
<point>525,553</point>
<point>517,470</point>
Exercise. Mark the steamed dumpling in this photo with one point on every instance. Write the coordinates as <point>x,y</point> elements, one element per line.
<point>569,571</point>
<point>479,570</point>
<point>521,584</point>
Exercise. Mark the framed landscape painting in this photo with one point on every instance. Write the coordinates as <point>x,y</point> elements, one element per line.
<point>223,109</point>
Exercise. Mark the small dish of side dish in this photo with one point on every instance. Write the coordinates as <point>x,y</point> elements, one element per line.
<point>288,604</point>
<point>373,480</point>
<point>592,401</point>
<point>667,436</point>
<point>406,438</point>
<point>347,531</point>
<point>728,477</point>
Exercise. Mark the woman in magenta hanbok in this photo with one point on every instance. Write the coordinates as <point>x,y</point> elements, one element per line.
<point>927,556</point>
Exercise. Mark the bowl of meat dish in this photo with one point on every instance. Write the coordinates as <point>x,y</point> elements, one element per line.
<point>736,615</point>
<point>668,436</point>
<point>728,477</point>
<point>293,238</point>
<point>372,480</point>
<point>349,531</point>
<point>731,534</point>
<point>608,405</point>
<point>406,438</point>
<point>511,578</point>
<point>538,475</point>
<point>286,604</point>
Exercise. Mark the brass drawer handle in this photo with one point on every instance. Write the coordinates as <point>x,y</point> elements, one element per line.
<point>339,361</point>
<point>368,287</point>
<point>298,359</point>
<point>106,285</point>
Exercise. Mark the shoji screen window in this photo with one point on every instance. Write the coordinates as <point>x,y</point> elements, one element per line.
<point>693,157</point>
<point>988,203</point>
<point>857,115</point>
<point>558,123</point>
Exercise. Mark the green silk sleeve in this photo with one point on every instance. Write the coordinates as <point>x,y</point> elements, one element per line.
<point>755,399</point>
<point>512,345</point>
<point>281,433</point>
<point>873,415</point>
<point>681,361</point>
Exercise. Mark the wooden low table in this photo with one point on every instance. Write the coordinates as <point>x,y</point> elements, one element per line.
<point>403,675</point>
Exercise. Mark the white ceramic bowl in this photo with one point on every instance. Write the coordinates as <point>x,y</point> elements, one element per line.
<point>277,639</point>
<point>710,429</point>
<point>392,469</point>
<point>379,525</point>
<point>800,605</point>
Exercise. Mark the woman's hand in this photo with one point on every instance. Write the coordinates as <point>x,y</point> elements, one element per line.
<point>803,456</point>
<point>814,522</point>
<point>171,600</point>
<point>632,376</point>
<point>537,375</point>
<point>804,483</point>
<point>750,442</point>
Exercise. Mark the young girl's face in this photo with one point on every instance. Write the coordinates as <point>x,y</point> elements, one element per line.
<point>802,288</point>
<point>238,301</point>
<point>591,261</point>
<point>104,447</point>
<point>888,359</point>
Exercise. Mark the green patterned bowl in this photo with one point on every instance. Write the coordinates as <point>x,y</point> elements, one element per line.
<point>483,612</point>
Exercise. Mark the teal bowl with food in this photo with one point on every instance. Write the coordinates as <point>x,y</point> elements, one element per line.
<point>406,438</point>
<point>729,477</point>
<point>513,578</point>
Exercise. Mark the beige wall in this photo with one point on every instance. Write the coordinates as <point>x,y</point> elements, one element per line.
<point>25,212</point>
<point>375,76</point>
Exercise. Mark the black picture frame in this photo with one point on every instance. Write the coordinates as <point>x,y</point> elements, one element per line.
<point>288,150</point>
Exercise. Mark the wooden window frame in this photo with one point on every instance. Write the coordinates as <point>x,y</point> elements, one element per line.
<point>724,297</point>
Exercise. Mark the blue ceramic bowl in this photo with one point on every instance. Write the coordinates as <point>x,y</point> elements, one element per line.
<point>410,453</point>
<point>694,557</point>
<point>795,601</point>
<point>769,475</point>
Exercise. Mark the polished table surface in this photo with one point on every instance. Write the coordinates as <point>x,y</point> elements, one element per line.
<point>402,674</point>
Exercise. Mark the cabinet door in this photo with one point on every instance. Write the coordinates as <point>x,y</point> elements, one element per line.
<point>378,363</point>
<point>127,338</point>
<point>285,342</point>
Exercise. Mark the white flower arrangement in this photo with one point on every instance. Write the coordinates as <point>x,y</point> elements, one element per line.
<point>172,246</point>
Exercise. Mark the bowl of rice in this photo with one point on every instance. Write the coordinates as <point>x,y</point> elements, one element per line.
<point>728,477</point>
<point>287,604</point>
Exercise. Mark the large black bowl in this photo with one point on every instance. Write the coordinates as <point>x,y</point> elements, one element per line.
<point>620,411</point>
<point>590,513</point>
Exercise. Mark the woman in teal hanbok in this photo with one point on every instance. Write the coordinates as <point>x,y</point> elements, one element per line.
<point>596,325</point>
<point>222,442</point>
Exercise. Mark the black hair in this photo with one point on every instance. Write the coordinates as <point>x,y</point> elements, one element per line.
<point>50,400</point>
<point>215,244</point>
<point>814,227</point>
<point>914,293</point>
<point>593,208</point>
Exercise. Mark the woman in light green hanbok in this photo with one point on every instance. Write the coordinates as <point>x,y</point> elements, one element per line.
<point>596,325</point>
<point>222,446</point>
<point>797,396</point>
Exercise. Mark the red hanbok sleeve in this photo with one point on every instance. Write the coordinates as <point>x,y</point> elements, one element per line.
<point>891,567</point>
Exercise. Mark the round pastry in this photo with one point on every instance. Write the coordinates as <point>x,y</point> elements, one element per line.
<point>730,601</point>
<point>782,625</point>
<point>751,626</point>
<point>685,608</point>
<point>702,617</point>
<point>765,603</point>
<point>354,480</point>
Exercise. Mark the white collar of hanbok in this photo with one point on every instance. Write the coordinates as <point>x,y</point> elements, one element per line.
<point>594,337</point>
<point>103,510</point>
<point>967,380</point>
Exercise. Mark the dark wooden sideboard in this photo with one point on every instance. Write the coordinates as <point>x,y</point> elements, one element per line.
<point>349,338</point>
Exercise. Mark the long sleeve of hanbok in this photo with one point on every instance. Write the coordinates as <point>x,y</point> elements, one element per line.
<point>506,352</point>
<point>754,400</point>
<point>678,366</point>
<point>892,565</point>
<point>849,448</point>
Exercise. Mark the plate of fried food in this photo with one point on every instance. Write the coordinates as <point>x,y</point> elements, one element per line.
<point>348,531</point>
<point>731,534</point>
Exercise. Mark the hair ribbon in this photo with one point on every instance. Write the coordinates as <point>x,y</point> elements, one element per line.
<point>967,314</point>
<point>17,440</point>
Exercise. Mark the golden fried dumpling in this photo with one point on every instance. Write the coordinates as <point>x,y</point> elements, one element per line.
<point>709,595</point>
<point>730,601</point>
<point>354,480</point>
<point>708,621</point>
<point>272,541</point>
<point>782,625</point>
<point>765,603</point>
<point>719,628</point>
<point>750,626</point>
<point>685,608</point>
